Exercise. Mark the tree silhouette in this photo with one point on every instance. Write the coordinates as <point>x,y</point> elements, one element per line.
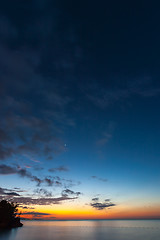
<point>8,213</point>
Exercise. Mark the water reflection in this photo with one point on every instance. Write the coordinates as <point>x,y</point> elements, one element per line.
<point>8,234</point>
<point>88,230</point>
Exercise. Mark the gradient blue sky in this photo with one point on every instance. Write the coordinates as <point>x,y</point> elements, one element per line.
<point>80,97</point>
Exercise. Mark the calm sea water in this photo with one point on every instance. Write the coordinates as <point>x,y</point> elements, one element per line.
<point>89,230</point>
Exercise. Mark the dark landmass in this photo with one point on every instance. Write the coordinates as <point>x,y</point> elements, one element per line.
<point>8,215</point>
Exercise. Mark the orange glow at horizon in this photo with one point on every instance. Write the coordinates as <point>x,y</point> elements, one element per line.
<point>89,213</point>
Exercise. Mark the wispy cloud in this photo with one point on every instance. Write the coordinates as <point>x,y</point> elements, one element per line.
<point>99,178</point>
<point>104,139</point>
<point>59,169</point>
<point>103,98</point>
<point>34,215</point>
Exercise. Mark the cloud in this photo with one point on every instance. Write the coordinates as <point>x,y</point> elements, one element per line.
<point>36,214</point>
<point>27,166</point>
<point>42,200</point>
<point>105,139</point>
<point>5,170</point>
<point>25,207</point>
<point>35,137</point>
<point>3,136</point>
<point>59,169</point>
<point>43,192</point>
<point>101,205</point>
<point>49,181</point>
<point>35,81</point>
<point>68,192</point>
<point>100,179</point>
<point>68,183</point>
<point>5,152</point>
<point>8,192</point>
<point>141,86</point>
<point>37,168</point>
<point>19,190</point>
<point>95,199</point>
<point>106,134</point>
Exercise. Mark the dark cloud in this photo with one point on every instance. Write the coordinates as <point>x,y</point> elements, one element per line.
<point>59,169</point>
<point>68,192</point>
<point>25,207</point>
<point>5,152</point>
<point>19,190</point>
<point>3,136</point>
<point>100,179</point>
<point>49,181</point>
<point>42,200</point>
<point>36,214</point>
<point>95,199</point>
<point>5,170</point>
<point>8,192</point>
<point>53,181</point>
<point>101,205</point>
<point>24,173</point>
<point>37,180</point>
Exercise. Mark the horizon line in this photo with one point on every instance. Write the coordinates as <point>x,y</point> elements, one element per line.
<point>89,219</point>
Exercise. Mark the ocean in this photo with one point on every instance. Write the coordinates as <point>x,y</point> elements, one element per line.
<point>88,230</point>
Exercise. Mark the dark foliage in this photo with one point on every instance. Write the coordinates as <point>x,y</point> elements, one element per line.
<point>8,213</point>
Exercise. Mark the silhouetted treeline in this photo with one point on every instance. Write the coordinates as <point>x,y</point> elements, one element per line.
<point>8,213</point>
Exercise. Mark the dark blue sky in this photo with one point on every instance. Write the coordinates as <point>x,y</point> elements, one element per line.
<point>80,93</point>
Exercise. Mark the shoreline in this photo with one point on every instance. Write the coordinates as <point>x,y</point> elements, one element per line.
<point>15,223</point>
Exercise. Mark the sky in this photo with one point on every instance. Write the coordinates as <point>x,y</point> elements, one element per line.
<point>79,108</point>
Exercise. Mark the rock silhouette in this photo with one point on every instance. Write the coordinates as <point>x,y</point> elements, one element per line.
<point>8,215</point>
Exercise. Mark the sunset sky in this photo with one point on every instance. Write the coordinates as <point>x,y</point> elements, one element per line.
<point>79,108</point>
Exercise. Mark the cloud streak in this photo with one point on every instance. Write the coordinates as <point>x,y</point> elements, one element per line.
<point>99,179</point>
<point>42,200</point>
<point>8,192</point>
<point>103,98</point>
<point>59,169</point>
